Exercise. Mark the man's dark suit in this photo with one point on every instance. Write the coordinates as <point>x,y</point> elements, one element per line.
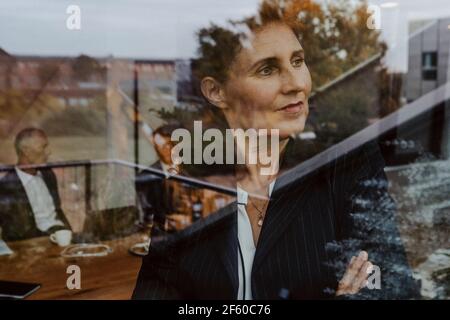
<point>151,192</point>
<point>16,215</point>
<point>157,195</point>
<point>293,254</point>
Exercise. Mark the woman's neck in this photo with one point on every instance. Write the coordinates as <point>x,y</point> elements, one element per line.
<point>253,180</point>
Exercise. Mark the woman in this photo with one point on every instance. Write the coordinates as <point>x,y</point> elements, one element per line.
<point>271,243</point>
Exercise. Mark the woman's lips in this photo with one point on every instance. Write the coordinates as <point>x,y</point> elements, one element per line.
<point>292,108</point>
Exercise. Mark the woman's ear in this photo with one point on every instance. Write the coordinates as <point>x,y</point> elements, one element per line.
<point>213,92</point>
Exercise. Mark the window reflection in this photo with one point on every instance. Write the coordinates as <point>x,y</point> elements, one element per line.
<point>374,134</point>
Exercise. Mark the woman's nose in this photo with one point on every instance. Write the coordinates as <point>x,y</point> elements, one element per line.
<point>294,81</point>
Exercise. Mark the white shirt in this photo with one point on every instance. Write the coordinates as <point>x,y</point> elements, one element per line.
<point>40,200</point>
<point>247,244</point>
<point>169,170</point>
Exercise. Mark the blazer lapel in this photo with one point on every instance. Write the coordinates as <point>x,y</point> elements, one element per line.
<point>20,195</point>
<point>21,207</point>
<point>48,177</point>
<point>228,248</point>
<point>280,212</point>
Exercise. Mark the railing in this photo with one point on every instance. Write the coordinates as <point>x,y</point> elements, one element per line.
<point>89,182</point>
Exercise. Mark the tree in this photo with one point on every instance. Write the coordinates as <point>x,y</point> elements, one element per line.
<point>342,114</point>
<point>84,67</point>
<point>48,72</point>
<point>390,86</point>
<point>334,35</point>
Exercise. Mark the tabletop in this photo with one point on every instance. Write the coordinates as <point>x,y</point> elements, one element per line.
<point>38,260</point>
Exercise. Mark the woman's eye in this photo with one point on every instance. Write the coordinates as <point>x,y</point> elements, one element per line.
<point>298,62</point>
<point>266,71</point>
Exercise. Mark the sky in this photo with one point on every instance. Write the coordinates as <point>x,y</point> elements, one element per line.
<point>124,28</point>
<point>157,29</point>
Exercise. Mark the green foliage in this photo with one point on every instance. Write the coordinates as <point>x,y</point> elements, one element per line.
<point>343,112</point>
<point>84,67</point>
<point>334,36</point>
<point>48,72</point>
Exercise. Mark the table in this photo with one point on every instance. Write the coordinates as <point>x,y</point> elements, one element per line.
<point>38,260</point>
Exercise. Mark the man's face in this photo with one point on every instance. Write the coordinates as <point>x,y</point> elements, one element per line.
<point>163,146</point>
<point>35,149</point>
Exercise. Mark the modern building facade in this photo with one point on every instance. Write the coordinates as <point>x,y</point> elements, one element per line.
<point>429,59</point>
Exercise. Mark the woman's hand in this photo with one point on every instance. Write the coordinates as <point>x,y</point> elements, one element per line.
<point>355,276</point>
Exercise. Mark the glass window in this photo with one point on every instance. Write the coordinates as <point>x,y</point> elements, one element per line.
<point>429,65</point>
<point>159,142</point>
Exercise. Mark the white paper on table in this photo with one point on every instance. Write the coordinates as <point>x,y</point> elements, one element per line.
<point>4,249</point>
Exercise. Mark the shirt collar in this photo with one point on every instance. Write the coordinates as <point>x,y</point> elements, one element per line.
<point>169,170</point>
<point>25,177</point>
<point>242,195</point>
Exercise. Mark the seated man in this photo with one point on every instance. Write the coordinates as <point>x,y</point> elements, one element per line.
<point>160,196</point>
<point>161,139</point>
<point>29,199</point>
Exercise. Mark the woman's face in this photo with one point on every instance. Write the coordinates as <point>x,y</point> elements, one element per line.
<point>269,83</point>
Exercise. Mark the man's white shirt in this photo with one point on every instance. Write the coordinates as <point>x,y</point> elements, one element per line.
<point>40,200</point>
<point>169,170</point>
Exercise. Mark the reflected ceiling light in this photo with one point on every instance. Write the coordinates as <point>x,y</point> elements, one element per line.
<point>389,5</point>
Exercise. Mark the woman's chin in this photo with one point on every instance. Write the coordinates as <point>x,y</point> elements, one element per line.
<point>290,129</point>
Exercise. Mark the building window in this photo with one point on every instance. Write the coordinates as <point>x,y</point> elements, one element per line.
<point>429,66</point>
<point>165,89</point>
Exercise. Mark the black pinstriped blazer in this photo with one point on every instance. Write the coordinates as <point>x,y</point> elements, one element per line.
<point>302,218</point>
